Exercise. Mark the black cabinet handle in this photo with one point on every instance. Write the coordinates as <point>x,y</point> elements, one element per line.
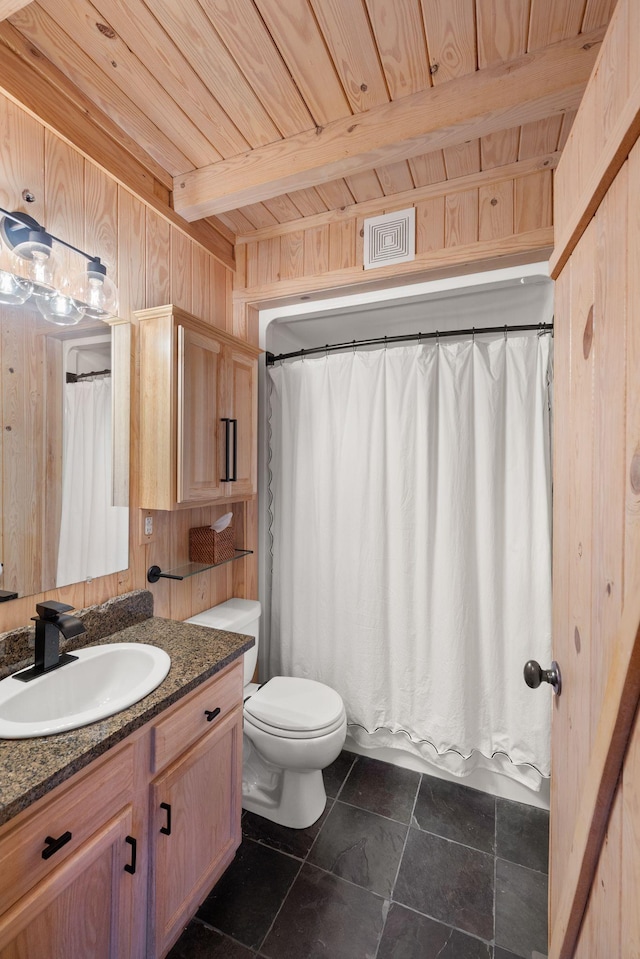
<point>227,450</point>
<point>166,830</point>
<point>212,713</point>
<point>131,866</point>
<point>52,845</point>
<point>234,476</point>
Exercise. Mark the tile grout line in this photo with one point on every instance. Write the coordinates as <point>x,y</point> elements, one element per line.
<point>495,869</point>
<point>390,900</point>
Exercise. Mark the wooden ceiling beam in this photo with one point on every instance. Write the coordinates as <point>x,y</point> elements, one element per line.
<point>532,87</point>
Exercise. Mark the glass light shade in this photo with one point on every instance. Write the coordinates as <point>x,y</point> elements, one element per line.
<point>14,289</point>
<point>59,309</point>
<point>40,270</point>
<point>95,293</point>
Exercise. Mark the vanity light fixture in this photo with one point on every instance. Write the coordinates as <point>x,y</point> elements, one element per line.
<point>27,268</point>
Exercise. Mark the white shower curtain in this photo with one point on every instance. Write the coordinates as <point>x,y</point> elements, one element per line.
<point>93,533</point>
<point>411,531</point>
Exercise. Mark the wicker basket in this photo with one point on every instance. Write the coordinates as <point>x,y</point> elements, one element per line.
<point>207,546</point>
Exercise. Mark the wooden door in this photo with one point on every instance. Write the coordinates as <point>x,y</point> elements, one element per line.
<point>195,828</point>
<point>200,437</point>
<point>83,908</point>
<point>595,795</point>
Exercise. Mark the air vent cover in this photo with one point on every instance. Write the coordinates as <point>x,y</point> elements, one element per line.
<point>390,238</point>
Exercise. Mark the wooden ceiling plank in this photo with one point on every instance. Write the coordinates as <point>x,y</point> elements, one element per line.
<point>235,220</point>
<point>451,38</point>
<point>283,208</point>
<point>530,88</point>
<point>347,32</point>
<point>399,34</point>
<point>144,36</point>
<point>86,32</point>
<point>336,194</point>
<point>502,30</point>
<point>308,202</point>
<point>35,92</point>
<point>395,177</point>
<point>259,215</point>
<point>60,84</point>
<point>192,30</point>
<point>243,31</point>
<point>295,32</point>
<point>78,77</point>
<point>365,186</point>
<point>514,171</point>
<point>500,148</point>
<point>539,137</point>
<point>428,168</point>
<point>464,159</point>
<point>551,22</point>
<point>9,7</point>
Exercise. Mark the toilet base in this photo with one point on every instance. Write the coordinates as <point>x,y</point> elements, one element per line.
<point>290,797</point>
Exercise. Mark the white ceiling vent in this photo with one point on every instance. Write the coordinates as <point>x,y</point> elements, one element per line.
<point>390,238</point>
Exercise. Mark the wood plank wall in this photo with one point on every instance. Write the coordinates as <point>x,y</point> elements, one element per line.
<point>153,263</point>
<point>485,216</point>
<point>597,471</point>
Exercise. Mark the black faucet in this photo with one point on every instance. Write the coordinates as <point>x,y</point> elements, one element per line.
<point>50,622</point>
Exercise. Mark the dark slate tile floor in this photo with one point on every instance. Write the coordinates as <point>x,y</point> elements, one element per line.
<point>399,866</point>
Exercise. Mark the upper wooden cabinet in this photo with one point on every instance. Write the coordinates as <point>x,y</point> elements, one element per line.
<point>198,412</point>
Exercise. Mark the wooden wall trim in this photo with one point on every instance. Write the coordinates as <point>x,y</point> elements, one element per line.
<point>610,744</point>
<point>37,86</point>
<point>398,201</point>
<point>617,149</point>
<point>605,129</point>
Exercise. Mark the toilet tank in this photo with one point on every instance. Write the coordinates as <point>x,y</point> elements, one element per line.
<point>235,616</point>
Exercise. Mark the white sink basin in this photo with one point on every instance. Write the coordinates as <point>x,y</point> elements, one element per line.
<point>103,681</point>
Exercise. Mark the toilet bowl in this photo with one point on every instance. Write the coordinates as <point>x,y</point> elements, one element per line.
<point>292,729</point>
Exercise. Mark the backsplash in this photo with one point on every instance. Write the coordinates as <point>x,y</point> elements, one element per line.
<point>16,646</point>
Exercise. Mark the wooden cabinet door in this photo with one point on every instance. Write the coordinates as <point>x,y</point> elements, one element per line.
<point>200,437</point>
<point>241,404</point>
<point>195,828</point>
<point>83,908</point>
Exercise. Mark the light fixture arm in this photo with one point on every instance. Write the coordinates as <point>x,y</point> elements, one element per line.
<point>27,222</point>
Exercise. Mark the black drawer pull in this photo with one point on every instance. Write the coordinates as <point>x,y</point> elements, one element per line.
<point>52,845</point>
<point>131,866</point>
<point>166,830</point>
<point>212,713</point>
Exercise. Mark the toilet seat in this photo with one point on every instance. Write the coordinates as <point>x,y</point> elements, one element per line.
<point>295,708</point>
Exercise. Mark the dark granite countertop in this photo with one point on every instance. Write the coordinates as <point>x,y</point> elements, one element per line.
<point>29,768</point>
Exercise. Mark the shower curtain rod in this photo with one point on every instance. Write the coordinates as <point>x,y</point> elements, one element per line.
<point>384,340</point>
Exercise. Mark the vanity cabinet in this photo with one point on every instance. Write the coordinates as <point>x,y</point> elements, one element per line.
<point>139,837</point>
<point>67,885</point>
<point>198,412</point>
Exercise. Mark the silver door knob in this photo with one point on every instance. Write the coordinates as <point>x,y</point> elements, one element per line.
<point>534,675</point>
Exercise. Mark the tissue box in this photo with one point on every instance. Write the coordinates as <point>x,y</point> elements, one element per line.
<point>207,546</point>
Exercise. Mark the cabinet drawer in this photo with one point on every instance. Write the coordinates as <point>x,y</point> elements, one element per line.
<point>190,720</point>
<point>79,810</point>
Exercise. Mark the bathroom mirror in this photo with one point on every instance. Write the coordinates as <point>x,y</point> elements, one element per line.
<point>64,481</point>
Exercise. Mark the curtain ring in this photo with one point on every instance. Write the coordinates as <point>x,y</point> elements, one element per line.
<point>505,332</point>
<point>437,337</point>
<point>354,347</point>
<point>473,334</point>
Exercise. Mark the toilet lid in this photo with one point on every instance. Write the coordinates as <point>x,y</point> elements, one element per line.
<point>295,705</point>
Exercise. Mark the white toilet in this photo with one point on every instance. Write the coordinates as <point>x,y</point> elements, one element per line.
<point>293,729</point>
